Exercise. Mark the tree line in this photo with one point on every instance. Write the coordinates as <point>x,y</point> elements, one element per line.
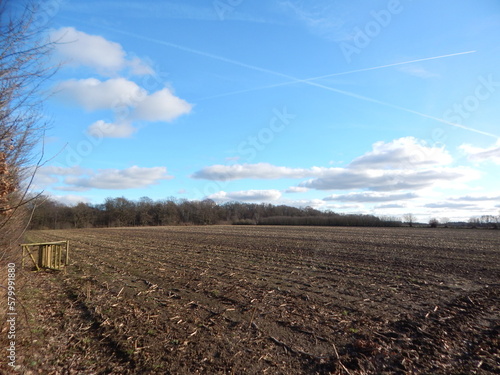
<point>117,212</point>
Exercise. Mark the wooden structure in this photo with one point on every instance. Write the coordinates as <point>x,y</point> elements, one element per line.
<point>52,255</point>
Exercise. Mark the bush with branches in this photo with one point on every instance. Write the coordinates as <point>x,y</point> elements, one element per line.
<point>24,67</point>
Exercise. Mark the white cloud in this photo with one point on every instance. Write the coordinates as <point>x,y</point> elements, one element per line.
<point>258,171</point>
<point>476,198</point>
<point>402,153</point>
<point>128,101</point>
<point>368,197</point>
<point>70,188</point>
<point>342,178</point>
<point>403,164</point>
<point>70,200</point>
<point>60,171</point>
<point>129,178</point>
<point>139,67</point>
<point>246,196</point>
<point>341,207</point>
<point>449,205</point>
<point>388,180</point>
<point>108,130</point>
<point>49,175</point>
<point>478,154</point>
<point>94,51</point>
<point>296,189</point>
<point>93,94</point>
<point>161,106</point>
<point>125,98</point>
<point>390,205</point>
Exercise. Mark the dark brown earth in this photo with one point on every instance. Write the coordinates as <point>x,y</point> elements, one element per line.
<point>265,300</point>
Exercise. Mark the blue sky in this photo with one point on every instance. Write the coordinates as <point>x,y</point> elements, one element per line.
<point>377,107</point>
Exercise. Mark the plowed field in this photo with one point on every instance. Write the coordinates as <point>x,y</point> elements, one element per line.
<point>268,300</point>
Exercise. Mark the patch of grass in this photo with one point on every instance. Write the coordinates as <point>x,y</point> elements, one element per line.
<point>87,340</point>
<point>37,330</point>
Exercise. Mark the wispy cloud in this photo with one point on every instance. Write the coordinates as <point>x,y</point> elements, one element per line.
<point>296,189</point>
<point>129,178</point>
<point>78,179</point>
<point>479,154</point>
<point>390,205</point>
<point>417,71</point>
<point>246,196</point>
<point>477,198</point>
<point>449,205</point>
<point>327,19</point>
<point>69,199</point>
<point>369,197</point>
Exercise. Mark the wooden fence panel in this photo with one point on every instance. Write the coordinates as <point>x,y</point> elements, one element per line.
<point>52,255</point>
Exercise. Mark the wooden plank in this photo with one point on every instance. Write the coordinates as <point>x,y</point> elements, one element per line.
<point>50,256</point>
<point>33,259</point>
<point>26,248</point>
<point>40,255</point>
<point>44,243</point>
<point>66,262</point>
<point>58,257</point>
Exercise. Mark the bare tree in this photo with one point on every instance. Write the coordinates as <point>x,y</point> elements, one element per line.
<point>24,67</point>
<point>409,218</point>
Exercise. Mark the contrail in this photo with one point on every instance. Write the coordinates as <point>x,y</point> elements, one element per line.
<point>394,64</point>
<point>310,81</point>
<point>331,75</point>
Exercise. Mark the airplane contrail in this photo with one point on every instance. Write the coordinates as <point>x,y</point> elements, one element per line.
<point>331,75</point>
<point>310,81</point>
<point>391,65</point>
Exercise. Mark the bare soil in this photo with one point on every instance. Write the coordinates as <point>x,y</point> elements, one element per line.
<point>265,300</point>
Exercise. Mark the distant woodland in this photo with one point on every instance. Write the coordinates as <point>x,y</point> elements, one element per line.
<point>119,212</point>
